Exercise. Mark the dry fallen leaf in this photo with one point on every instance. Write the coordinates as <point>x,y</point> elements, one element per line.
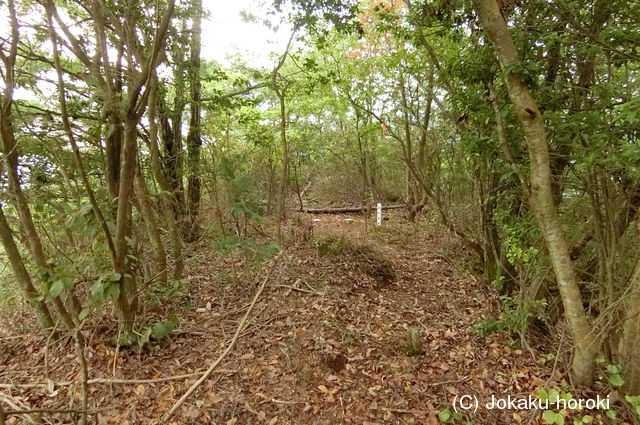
<point>140,389</point>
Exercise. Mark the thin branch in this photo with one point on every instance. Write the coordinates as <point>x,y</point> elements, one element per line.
<point>232,343</point>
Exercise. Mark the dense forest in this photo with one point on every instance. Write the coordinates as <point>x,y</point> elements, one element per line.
<point>186,241</point>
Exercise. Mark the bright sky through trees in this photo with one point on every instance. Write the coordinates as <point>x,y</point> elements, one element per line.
<point>225,33</point>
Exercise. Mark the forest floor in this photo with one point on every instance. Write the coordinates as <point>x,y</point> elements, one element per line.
<point>325,343</point>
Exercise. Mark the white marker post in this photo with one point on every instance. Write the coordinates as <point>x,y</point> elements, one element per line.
<point>379,217</point>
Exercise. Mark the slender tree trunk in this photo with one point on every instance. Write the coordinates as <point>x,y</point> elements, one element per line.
<point>174,148</point>
<point>168,200</point>
<point>31,294</point>
<point>282,185</point>
<point>10,151</point>
<point>542,199</point>
<point>629,344</point>
<point>123,220</point>
<point>153,230</point>
<point>194,138</point>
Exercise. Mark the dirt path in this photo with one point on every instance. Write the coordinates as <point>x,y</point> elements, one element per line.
<point>324,347</point>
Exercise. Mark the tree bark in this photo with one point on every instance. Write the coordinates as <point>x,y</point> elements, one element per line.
<point>31,294</point>
<point>629,344</point>
<point>10,151</point>
<point>194,138</point>
<point>169,199</point>
<point>160,273</point>
<point>541,195</point>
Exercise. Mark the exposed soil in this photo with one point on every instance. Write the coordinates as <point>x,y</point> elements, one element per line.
<point>325,344</point>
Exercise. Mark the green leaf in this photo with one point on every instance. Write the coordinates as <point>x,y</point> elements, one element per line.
<point>635,402</point>
<point>616,380</point>
<point>445,416</point>
<point>554,395</point>
<point>56,288</point>
<point>543,394</point>
<point>162,329</point>
<point>611,414</point>
<point>84,313</point>
<point>551,417</point>
<point>112,291</point>
<point>97,291</point>
<point>144,337</point>
<point>613,369</point>
<point>85,209</point>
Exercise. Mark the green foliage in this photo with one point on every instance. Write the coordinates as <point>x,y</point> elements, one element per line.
<point>553,395</point>
<point>514,318</point>
<point>448,416</point>
<point>332,246</point>
<point>244,197</point>
<point>586,419</point>
<point>154,333</point>
<point>10,296</point>
<point>107,286</point>
<point>59,280</point>
<point>615,375</point>
<point>157,331</point>
<point>634,400</point>
<point>169,289</point>
<point>254,250</point>
<point>413,342</point>
<point>551,417</point>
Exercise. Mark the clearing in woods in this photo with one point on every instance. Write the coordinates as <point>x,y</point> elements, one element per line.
<point>325,343</point>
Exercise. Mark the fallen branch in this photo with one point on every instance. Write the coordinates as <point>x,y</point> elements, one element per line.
<point>116,381</point>
<point>453,381</point>
<point>17,407</point>
<point>31,411</point>
<point>232,344</point>
<point>346,210</point>
<point>293,288</point>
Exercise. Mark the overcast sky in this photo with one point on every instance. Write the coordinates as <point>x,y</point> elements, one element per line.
<point>226,33</point>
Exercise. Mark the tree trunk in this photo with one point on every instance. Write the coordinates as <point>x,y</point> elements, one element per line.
<point>123,219</point>
<point>10,151</point>
<point>541,191</point>
<point>282,184</point>
<point>168,200</point>
<point>30,293</point>
<point>113,147</point>
<point>194,138</point>
<point>629,344</point>
<point>153,231</point>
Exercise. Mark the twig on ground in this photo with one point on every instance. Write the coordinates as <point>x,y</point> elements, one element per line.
<point>15,406</point>
<point>293,288</point>
<point>232,344</point>
<point>84,372</point>
<point>117,381</point>
<point>406,411</point>
<point>31,411</point>
<point>453,381</point>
